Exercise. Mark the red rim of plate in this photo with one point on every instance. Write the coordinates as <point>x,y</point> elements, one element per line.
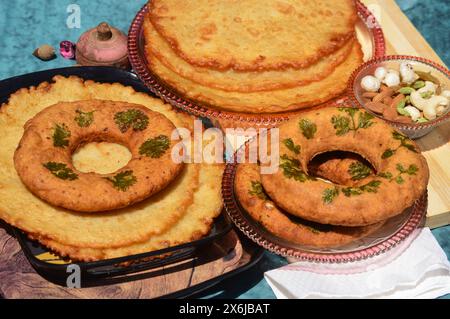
<point>138,63</point>
<point>256,233</point>
<point>403,126</point>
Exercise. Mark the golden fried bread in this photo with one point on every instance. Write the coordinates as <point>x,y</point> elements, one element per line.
<point>402,172</point>
<point>253,35</point>
<point>136,223</point>
<point>341,168</point>
<point>260,207</point>
<point>193,225</point>
<point>273,101</point>
<point>43,158</point>
<point>236,81</point>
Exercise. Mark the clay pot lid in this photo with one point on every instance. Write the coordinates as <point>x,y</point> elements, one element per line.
<point>103,44</point>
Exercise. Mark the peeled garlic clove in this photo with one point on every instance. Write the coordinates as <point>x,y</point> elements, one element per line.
<point>380,73</point>
<point>407,73</point>
<point>393,71</point>
<point>414,113</point>
<point>392,79</point>
<point>370,83</point>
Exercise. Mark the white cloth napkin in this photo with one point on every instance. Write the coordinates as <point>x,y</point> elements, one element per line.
<point>417,268</point>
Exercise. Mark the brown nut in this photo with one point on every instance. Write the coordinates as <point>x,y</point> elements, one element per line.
<point>403,119</point>
<point>387,100</point>
<point>396,100</point>
<point>369,94</point>
<point>376,107</point>
<point>384,93</point>
<point>390,114</point>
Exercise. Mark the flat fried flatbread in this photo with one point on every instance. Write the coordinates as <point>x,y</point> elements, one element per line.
<point>254,35</point>
<point>273,101</point>
<point>231,80</point>
<point>195,224</point>
<point>123,227</point>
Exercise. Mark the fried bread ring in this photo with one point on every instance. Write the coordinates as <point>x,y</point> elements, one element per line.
<point>402,172</point>
<point>252,197</point>
<point>44,164</point>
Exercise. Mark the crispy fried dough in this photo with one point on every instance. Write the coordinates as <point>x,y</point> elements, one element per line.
<point>268,101</point>
<point>402,172</point>
<point>233,81</point>
<point>195,224</point>
<point>123,227</point>
<point>254,35</point>
<point>298,231</point>
<point>91,192</point>
<point>338,168</point>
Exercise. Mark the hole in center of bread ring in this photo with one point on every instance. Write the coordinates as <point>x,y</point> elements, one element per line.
<point>44,163</point>
<point>101,157</point>
<point>400,172</point>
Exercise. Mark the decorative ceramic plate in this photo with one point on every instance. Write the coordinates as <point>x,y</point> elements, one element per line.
<point>368,32</point>
<point>395,230</point>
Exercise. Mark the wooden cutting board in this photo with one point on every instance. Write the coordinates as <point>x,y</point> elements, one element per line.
<point>403,38</point>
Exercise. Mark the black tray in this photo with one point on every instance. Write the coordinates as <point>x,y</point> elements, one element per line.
<point>93,271</point>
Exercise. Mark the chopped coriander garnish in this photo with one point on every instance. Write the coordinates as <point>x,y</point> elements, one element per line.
<point>155,147</point>
<point>61,171</point>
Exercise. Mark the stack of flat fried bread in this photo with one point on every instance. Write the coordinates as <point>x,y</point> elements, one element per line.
<point>181,212</point>
<point>253,56</point>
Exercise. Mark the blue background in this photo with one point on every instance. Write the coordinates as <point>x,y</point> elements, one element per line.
<point>25,25</point>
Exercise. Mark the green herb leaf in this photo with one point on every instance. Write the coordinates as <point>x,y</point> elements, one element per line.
<point>387,153</point>
<point>398,136</point>
<point>123,180</point>
<point>349,110</point>
<point>359,171</point>
<point>136,119</point>
<point>257,190</point>
<point>313,230</point>
<point>61,171</point>
<point>345,124</point>
<point>410,147</point>
<point>308,128</point>
<point>412,169</point>
<point>329,194</point>
<point>399,179</point>
<point>386,175</point>
<point>365,120</point>
<point>291,145</point>
<point>84,119</point>
<point>371,187</point>
<point>61,135</point>
<point>291,169</point>
<point>155,147</point>
<point>400,168</point>
<point>341,124</point>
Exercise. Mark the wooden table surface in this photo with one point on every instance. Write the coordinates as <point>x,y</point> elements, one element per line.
<point>403,38</point>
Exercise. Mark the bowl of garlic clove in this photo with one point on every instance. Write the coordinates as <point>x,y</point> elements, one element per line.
<point>410,93</point>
